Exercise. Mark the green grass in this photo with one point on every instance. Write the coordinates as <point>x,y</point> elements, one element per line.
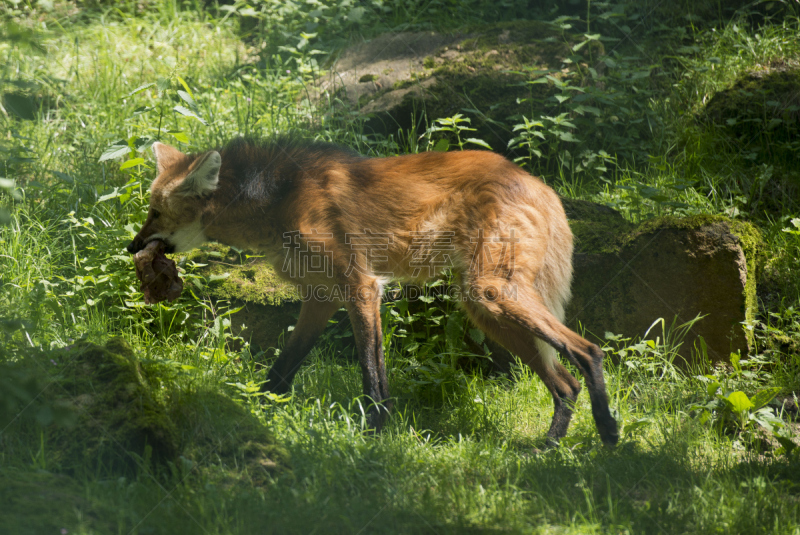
<point>461,451</point>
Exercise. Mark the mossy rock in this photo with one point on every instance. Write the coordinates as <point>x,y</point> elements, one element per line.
<point>757,120</point>
<point>241,276</point>
<point>395,77</point>
<point>671,268</point>
<point>761,112</point>
<point>626,276</point>
<point>596,228</point>
<point>269,304</point>
<point>120,420</point>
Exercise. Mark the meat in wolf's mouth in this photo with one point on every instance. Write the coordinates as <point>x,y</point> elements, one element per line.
<point>157,273</point>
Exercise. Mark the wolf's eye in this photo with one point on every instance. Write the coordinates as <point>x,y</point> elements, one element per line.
<point>156,213</point>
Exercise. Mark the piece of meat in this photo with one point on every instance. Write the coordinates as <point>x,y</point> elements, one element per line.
<point>159,275</point>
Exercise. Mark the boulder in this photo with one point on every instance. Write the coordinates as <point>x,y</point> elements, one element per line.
<point>627,276</point>
<point>269,305</point>
<point>483,74</point>
<point>760,112</point>
<point>757,121</point>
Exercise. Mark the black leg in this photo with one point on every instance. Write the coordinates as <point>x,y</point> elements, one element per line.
<point>314,316</point>
<point>366,320</point>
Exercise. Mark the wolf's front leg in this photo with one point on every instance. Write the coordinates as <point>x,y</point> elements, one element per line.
<point>314,316</point>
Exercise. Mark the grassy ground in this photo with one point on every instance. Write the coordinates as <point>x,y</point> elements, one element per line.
<point>460,453</point>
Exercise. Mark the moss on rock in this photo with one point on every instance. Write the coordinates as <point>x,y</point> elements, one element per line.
<point>668,267</point>
<point>761,112</point>
<point>120,419</point>
<point>269,304</point>
<point>241,276</point>
<point>596,228</point>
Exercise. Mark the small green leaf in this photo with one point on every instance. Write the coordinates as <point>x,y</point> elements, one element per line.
<point>479,142</point>
<point>703,347</point>
<point>187,98</point>
<point>111,195</point>
<point>764,396</point>
<point>20,105</point>
<point>589,37</point>
<point>189,113</point>
<point>453,329</point>
<point>739,402</point>
<point>133,162</point>
<point>185,86</point>
<point>636,424</point>
<point>180,136</point>
<point>477,336</point>
<point>735,358</point>
<point>356,14</point>
<point>567,136</point>
<point>118,149</point>
<point>63,176</point>
<point>442,145</point>
<point>139,89</point>
<point>579,46</point>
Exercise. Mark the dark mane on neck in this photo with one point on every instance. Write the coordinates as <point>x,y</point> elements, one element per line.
<point>263,170</point>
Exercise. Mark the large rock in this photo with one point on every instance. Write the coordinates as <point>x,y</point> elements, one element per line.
<point>670,268</point>
<point>269,305</point>
<point>757,122</point>
<point>760,112</point>
<point>394,78</point>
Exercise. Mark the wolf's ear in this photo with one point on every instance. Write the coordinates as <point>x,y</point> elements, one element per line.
<point>166,156</point>
<point>203,179</point>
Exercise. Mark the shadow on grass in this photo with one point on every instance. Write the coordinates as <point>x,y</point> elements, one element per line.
<point>294,470</point>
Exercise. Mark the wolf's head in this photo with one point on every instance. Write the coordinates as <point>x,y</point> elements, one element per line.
<point>177,197</point>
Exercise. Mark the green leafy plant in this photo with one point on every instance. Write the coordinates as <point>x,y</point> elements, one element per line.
<point>734,413</point>
<point>731,412</point>
<point>457,125</point>
<point>432,341</point>
<point>160,101</point>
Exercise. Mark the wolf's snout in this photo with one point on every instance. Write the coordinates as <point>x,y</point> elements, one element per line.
<point>135,246</point>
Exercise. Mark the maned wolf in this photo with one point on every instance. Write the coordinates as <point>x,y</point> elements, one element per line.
<point>341,225</point>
